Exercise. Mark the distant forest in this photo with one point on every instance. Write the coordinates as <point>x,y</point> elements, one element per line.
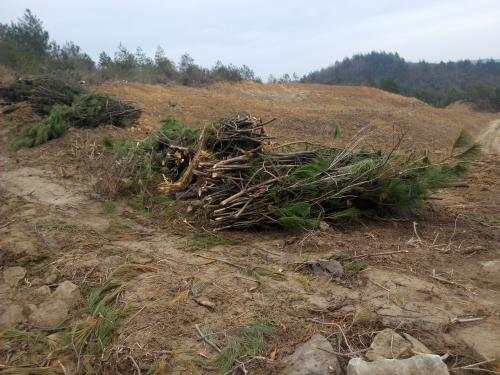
<point>26,48</point>
<point>438,84</point>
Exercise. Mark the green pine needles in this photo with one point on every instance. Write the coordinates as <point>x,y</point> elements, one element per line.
<point>244,184</point>
<point>248,342</point>
<point>54,126</point>
<point>65,105</point>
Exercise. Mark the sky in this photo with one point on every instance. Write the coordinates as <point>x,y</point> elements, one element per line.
<point>273,37</point>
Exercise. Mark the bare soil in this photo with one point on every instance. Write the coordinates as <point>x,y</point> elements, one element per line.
<point>424,275</point>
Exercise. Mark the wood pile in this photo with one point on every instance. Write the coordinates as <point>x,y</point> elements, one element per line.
<point>241,181</point>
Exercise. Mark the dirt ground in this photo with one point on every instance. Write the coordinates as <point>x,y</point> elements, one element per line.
<point>434,275</point>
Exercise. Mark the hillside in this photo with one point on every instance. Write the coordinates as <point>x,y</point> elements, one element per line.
<point>95,283</point>
<point>306,111</point>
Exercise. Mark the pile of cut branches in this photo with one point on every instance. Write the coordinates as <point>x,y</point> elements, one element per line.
<point>64,104</point>
<point>243,182</point>
<point>91,110</point>
<point>41,92</point>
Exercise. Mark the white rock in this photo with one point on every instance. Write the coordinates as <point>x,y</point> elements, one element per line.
<point>315,357</point>
<point>12,275</point>
<point>424,364</point>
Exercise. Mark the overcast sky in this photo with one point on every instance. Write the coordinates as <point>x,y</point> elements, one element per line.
<point>273,37</point>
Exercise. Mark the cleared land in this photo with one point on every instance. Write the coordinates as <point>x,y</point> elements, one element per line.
<point>425,275</point>
<point>306,112</point>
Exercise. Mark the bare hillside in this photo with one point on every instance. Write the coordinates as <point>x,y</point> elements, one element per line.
<point>305,111</point>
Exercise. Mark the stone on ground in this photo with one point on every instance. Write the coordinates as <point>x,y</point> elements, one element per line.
<point>67,292</point>
<point>314,357</point>
<point>416,346</point>
<point>388,344</point>
<point>423,364</point>
<point>50,313</point>
<point>42,291</point>
<point>12,275</point>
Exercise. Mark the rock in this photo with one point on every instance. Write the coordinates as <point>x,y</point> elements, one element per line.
<point>11,316</point>
<point>363,314</point>
<point>388,344</point>
<point>50,313</point>
<point>51,278</point>
<point>42,291</point>
<point>205,302</point>
<point>67,292</point>
<point>416,346</point>
<point>12,275</point>
<point>424,364</point>
<point>315,357</point>
<point>320,267</point>
<point>414,305</point>
<point>318,303</point>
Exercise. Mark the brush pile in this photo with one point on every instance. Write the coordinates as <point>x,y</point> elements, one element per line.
<point>242,182</point>
<point>63,105</point>
<point>92,110</point>
<point>41,92</point>
<point>89,110</point>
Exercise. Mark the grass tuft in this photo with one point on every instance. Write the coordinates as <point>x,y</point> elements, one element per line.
<point>109,208</point>
<point>248,342</point>
<point>94,332</point>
